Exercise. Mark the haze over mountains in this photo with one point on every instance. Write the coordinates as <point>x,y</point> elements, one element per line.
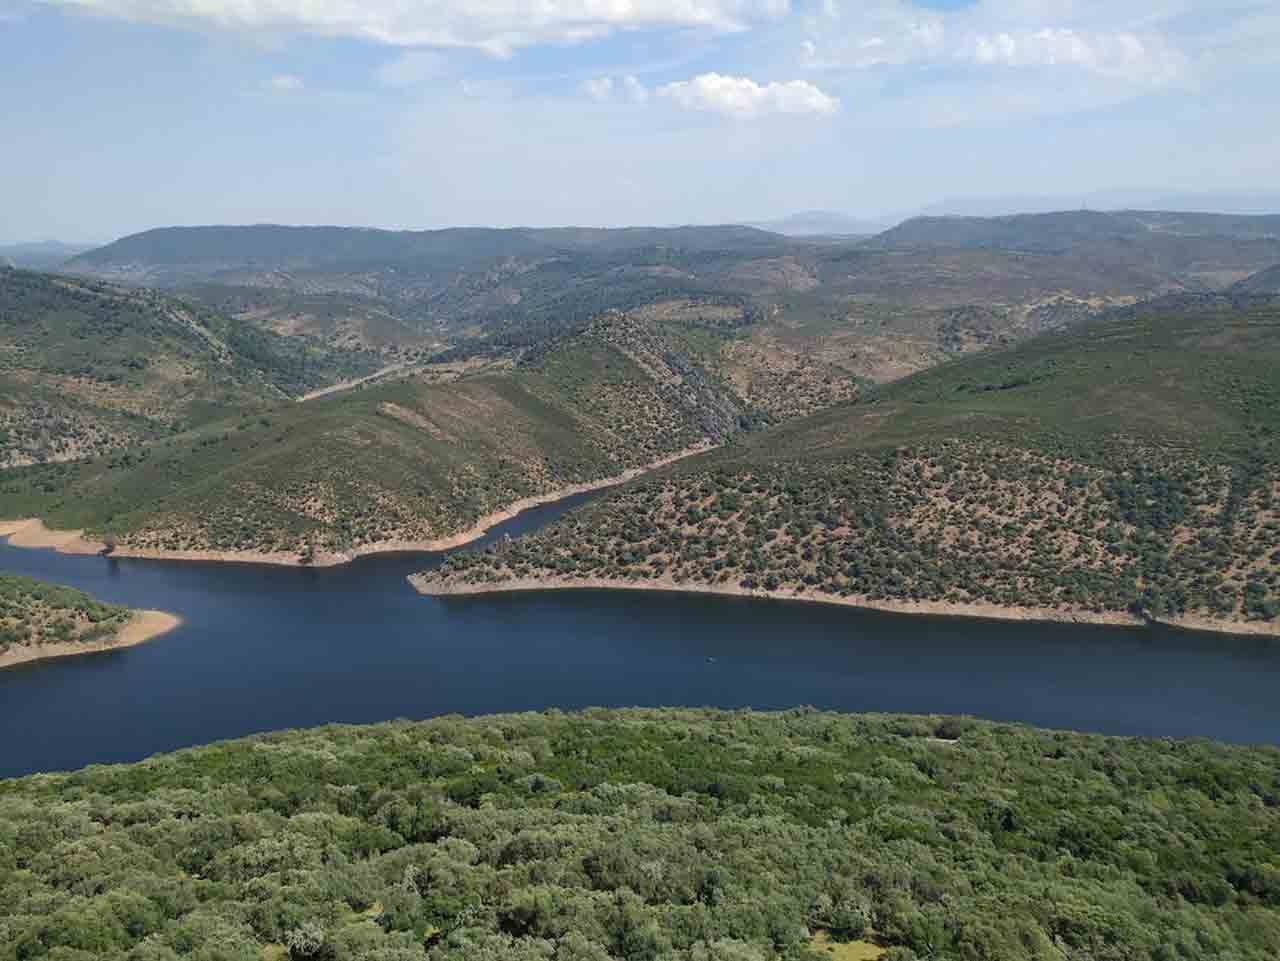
<point>39,255</point>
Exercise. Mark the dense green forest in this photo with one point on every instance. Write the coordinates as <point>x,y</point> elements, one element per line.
<point>1131,465</point>
<point>33,612</point>
<point>647,835</point>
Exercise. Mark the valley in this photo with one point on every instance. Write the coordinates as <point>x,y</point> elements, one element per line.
<point>1059,456</point>
<point>1123,470</point>
<point>571,356</point>
<point>639,480</point>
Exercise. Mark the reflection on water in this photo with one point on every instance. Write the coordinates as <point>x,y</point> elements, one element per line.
<point>265,648</point>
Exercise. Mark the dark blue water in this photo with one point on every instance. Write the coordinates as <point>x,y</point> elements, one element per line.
<point>265,648</point>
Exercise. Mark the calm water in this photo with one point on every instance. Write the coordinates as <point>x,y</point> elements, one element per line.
<point>265,648</point>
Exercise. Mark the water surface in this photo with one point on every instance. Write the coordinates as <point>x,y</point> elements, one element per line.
<point>264,648</point>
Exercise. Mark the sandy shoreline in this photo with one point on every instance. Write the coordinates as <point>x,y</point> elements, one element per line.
<point>434,587</point>
<point>143,627</point>
<point>33,533</point>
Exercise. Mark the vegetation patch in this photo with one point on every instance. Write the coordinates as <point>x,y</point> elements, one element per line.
<point>34,613</point>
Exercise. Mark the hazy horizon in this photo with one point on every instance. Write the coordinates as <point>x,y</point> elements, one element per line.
<point>132,114</point>
<point>1245,203</point>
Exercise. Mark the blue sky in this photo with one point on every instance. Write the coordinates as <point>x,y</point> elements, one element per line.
<point>126,114</point>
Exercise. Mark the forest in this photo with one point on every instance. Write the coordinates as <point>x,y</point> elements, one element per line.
<point>652,835</point>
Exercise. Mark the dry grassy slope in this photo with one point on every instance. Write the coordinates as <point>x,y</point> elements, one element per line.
<point>1130,465</point>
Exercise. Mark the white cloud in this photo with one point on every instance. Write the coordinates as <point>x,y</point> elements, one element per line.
<point>1122,55</point>
<point>604,89</point>
<point>412,68</point>
<point>634,90</point>
<point>496,26</point>
<point>1131,41</point>
<point>880,37</point>
<point>743,97</point>
<point>598,89</point>
<point>286,82</point>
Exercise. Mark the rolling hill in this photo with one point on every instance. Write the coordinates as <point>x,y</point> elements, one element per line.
<point>413,461</point>
<point>1126,468</point>
<point>350,332</point>
<point>87,367</point>
<point>891,307</point>
<point>601,350</point>
<point>1211,250</point>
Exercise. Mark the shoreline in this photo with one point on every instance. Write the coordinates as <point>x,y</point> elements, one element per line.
<point>31,532</point>
<point>142,627</point>
<point>432,586</point>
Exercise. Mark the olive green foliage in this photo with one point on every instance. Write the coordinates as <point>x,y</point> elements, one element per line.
<point>651,835</point>
<point>1128,466</point>
<point>33,612</point>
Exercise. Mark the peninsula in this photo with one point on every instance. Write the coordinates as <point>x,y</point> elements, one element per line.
<point>39,621</point>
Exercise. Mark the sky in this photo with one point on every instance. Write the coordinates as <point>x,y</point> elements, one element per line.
<point>120,115</point>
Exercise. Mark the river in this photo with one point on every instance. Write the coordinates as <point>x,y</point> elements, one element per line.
<point>264,648</point>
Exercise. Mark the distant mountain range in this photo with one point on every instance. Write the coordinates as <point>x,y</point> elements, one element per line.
<point>41,255</point>
<point>834,223</point>
<point>1069,230</point>
<point>810,223</point>
<point>1240,202</point>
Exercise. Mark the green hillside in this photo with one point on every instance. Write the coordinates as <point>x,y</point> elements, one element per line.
<point>409,460</point>
<point>647,835</point>
<point>1128,466</point>
<point>86,367</point>
<point>879,311</point>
